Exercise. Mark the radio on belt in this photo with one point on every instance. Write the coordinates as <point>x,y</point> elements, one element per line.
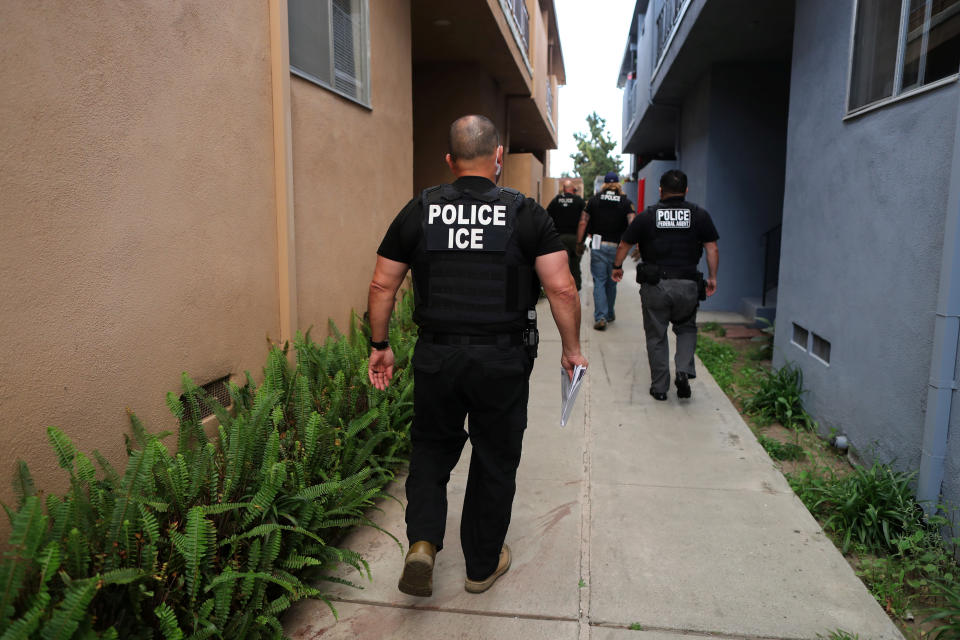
<point>531,335</point>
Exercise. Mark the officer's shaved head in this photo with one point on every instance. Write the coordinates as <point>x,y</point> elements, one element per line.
<point>473,137</point>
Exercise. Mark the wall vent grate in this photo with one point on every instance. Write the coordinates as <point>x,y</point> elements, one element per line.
<point>218,390</point>
<point>800,336</point>
<point>821,348</point>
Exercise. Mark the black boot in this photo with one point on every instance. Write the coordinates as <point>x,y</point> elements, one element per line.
<point>683,385</point>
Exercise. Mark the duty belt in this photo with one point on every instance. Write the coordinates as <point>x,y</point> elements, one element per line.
<point>501,340</point>
<point>679,273</point>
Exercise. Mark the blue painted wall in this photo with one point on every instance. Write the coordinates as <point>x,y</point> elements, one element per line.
<point>732,148</point>
<point>863,219</point>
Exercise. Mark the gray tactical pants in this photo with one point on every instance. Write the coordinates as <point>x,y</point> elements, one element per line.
<point>669,301</point>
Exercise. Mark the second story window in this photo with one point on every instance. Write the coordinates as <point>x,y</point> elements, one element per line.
<point>900,45</point>
<point>522,17</point>
<point>329,45</point>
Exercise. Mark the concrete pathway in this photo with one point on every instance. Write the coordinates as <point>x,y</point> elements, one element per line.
<point>664,515</point>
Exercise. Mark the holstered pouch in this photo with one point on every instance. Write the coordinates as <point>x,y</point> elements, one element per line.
<point>648,273</point>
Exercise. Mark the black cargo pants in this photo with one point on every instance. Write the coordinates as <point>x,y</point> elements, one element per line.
<point>490,384</point>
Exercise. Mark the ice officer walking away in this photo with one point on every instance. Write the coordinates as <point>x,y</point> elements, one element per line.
<point>672,236</point>
<point>565,210</point>
<point>479,254</point>
<point>607,214</point>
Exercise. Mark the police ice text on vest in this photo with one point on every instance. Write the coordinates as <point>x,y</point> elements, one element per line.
<point>673,218</point>
<point>472,222</point>
<point>610,195</point>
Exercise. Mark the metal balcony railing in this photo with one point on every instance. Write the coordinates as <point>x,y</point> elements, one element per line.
<point>520,16</point>
<point>669,16</point>
<point>629,104</point>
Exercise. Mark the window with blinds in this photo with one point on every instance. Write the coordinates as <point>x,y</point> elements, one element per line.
<point>329,45</point>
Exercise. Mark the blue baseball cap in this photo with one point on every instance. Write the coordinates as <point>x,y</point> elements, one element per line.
<point>611,177</point>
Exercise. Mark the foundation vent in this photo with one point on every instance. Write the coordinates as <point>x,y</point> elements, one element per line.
<point>217,390</point>
<point>800,336</point>
<point>821,348</point>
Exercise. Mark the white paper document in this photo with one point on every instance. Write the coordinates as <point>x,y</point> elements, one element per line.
<point>568,391</point>
<point>595,241</point>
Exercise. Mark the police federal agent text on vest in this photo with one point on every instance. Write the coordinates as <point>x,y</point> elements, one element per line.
<point>672,236</point>
<point>478,253</point>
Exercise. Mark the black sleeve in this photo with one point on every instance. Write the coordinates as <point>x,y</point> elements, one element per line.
<point>552,207</point>
<point>402,237</point>
<point>538,235</point>
<point>706,231</point>
<point>579,203</point>
<point>628,205</point>
<point>591,205</point>
<point>634,232</point>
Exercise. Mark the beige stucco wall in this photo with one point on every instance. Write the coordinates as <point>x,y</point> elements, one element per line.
<point>524,172</point>
<point>137,208</point>
<point>352,173</point>
<point>551,187</point>
<point>443,93</point>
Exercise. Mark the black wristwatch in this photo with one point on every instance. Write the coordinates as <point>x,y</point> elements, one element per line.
<point>618,266</point>
<point>380,346</point>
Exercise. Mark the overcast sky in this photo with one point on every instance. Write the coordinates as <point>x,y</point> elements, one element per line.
<point>593,41</point>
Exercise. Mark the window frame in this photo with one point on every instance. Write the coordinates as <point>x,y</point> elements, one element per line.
<point>367,102</point>
<point>898,93</point>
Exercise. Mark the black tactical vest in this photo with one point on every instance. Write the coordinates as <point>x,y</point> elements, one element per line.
<point>609,220</point>
<point>470,275</point>
<point>674,242</point>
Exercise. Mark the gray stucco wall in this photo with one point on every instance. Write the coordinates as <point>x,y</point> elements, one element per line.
<point>732,147</point>
<point>864,209</point>
<point>694,157</point>
<point>748,121</point>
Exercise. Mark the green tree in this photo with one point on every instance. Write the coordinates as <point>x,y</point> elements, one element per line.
<point>593,157</point>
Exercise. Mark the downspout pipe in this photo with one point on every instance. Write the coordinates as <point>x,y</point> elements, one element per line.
<point>943,362</point>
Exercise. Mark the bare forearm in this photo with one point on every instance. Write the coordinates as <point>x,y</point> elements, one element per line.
<point>581,230</point>
<point>713,261</point>
<point>380,306</point>
<point>565,307</point>
<point>622,250</point>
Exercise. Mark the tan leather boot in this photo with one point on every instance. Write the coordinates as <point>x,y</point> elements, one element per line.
<point>479,586</point>
<point>417,576</point>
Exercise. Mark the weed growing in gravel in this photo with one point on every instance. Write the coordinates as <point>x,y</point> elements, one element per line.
<point>947,614</point>
<point>718,359</point>
<point>778,397</point>
<point>715,328</point>
<point>781,450</point>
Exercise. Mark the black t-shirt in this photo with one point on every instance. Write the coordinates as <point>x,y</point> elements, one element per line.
<point>536,233</point>
<point>565,210</point>
<point>608,213</point>
<point>644,231</point>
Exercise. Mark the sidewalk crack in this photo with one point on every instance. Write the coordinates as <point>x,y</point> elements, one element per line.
<point>585,516</point>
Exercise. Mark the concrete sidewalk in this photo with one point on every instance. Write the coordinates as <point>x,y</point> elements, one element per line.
<point>666,514</point>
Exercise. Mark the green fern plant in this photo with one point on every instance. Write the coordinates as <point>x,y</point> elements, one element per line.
<point>219,535</point>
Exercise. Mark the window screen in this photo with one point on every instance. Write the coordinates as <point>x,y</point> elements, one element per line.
<point>329,45</point>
